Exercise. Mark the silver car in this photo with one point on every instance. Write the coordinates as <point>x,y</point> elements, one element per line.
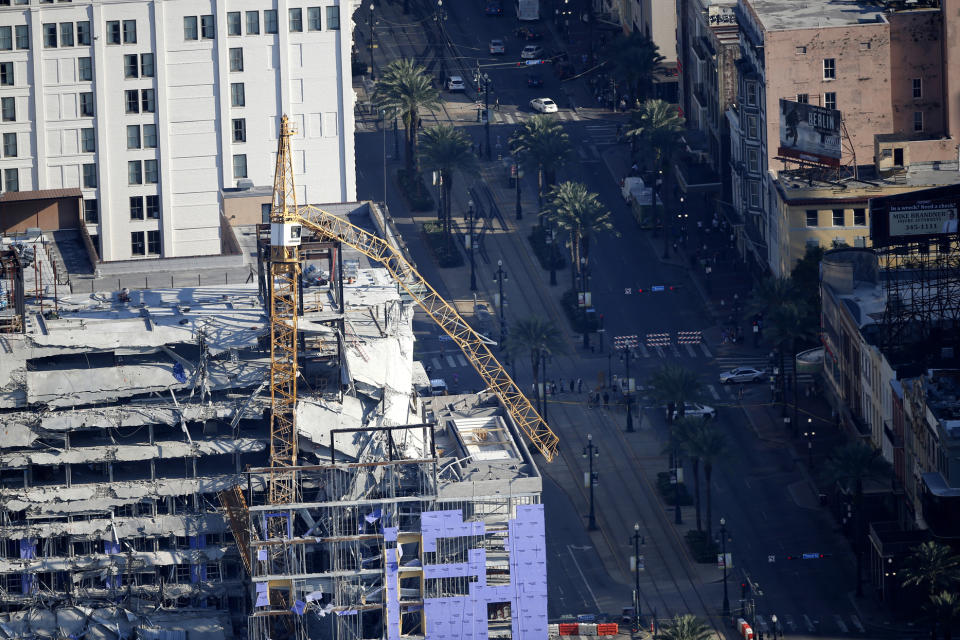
<point>696,410</point>
<point>741,374</point>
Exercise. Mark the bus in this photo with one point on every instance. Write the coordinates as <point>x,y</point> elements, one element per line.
<point>528,9</point>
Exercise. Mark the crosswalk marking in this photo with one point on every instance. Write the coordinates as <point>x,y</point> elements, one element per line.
<point>436,363</point>
<point>693,354</point>
<point>788,620</point>
<point>810,626</point>
<point>643,350</point>
<point>840,623</point>
<point>857,624</point>
<point>659,351</point>
<point>706,352</point>
<point>673,348</point>
<point>451,361</point>
<point>713,392</point>
<point>462,360</point>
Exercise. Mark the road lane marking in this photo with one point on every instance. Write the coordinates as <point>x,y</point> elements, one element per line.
<point>713,392</point>
<point>583,577</point>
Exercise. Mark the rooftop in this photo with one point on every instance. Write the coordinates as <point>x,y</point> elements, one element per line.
<point>786,15</point>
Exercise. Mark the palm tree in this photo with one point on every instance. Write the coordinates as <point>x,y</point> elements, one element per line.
<point>790,328</point>
<point>446,149</point>
<point>770,293</point>
<point>686,627</point>
<point>848,467</point>
<point>674,386</point>
<point>711,444</point>
<point>403,90</point>
<point>536,337</point>
<point>581,214</point>
<point>541,145</point>
<point>689,435</point>
<point>659,125</point>
<point>945,609</point>
<point>932,566</point>
<point>636,58</point>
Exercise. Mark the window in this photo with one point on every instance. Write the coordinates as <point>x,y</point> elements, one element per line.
<point>133,101</point>
<point>753,127</point>
<point>190,28</point>
<point>50,35</point>
<point>86,104</point>
<point>133,136</point>
<point>9,145</point>
<point>803,98</point>
<point>918,120</point>
<point>865,46</point>
<point>130,67</point>
<point>6,73</point>
<point>270,21</point>
<point>6,38</point>
<point>113,32</point>
<point>917,88</point>
<point>90,176</point>
<point>153,207</point>
<point>148,101</point>
<point>88,141</point>
<point>233,23</point>
<point>8,107</point>
<point>151,171</point>
<point>752,93</point>
<point>149,136</point>
<point>236,59</point>
<point>239,166</point>
<point>754,194</point>
<point>296,20</point>
<point>83,33</point>
<point>333,18</point>
<point>860,217</point>
<point>829,69</point>
<point>130,31</point>
<point>134,172</point>
<point>830,100</point>
<point>146,65</point>
<point>153,242</point>
<point>208,28</point>
<point>838,218</point>
<point>11,180</point>
<point>85,68</point>
<point>812,218</point>
<point>136,207</point>
<point>136,243</point>
<point>66,34</point>
<point>253,23</point>
<point>753,160</point>
<point>800,51</point>
<point>237,98</point>
<point>239,130</point>
<point>23,36</point>
<point>91,214</point>
<point>313,18</point>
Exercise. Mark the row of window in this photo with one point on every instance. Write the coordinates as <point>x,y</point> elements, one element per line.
<point>208,27</point>
<point>141,206</point>
<point>20,32</point>
<point>128,31</point>
<point>143,172</point>
<point>141,136</point>
<point>152,246</point>
<point>839,218</point>
<point>138,67</point>
<point>140,100</point>
<point>62,34</point>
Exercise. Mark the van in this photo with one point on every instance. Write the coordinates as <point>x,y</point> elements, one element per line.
<point>438,387</point>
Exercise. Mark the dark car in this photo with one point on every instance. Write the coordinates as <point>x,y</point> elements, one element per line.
<point>494,8</point>
<point>526,33</point>
<point>534,80</point>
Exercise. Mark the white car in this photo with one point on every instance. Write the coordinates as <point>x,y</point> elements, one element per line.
<point>531,52</point>
<point>741,374</point>
<point>696,410</point>
<point>497,47</point>
<point>455,83</point>
<point>543,105</point>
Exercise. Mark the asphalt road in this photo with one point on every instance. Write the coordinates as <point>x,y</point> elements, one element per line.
<point>758,486</point>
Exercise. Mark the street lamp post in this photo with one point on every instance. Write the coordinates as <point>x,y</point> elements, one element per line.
<point>590,452</point>
<point>470,243</point>
<point>583,287</point>
<point>723,541</point>
<point>808,434</point>
<point>500,276</point>
<point>483,84</point>
<point>543,368</point>
<point>637,540</point>
<point>370,44</point>
<point>519,206</point>
<point>776,626</point>
<point>626,344</point>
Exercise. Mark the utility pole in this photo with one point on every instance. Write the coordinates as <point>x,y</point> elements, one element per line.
<point>483,84</point>
<point>590,452</point>
<point>723,541</point>
<point>370,44</point>
<point>519,177</point>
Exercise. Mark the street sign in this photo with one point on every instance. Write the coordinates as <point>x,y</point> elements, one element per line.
<point>657,287</point>
<point>728,561</point>
<point>771,559</point>
<point>626,291</point>
<point>634,564</point>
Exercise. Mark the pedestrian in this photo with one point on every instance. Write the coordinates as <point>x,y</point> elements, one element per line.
<point>419,123</point>
<point>563,386</point>
<point>496,104</point>
<point>740,393</point>
<point>579,385</point>
<point>723,336</point>
<point>606,399</point>
<point>571,385</point>
<point>553,388</point>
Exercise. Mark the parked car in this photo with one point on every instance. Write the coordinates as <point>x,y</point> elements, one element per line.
<point>497,47</point>
<point>455,83</point>
<point>534,80</point>
<point>543,105</point>
<point>696,410</point>
<point>526,33</point>
<point>494,8</point>
<point>531,52</point>
<point>741,374</point>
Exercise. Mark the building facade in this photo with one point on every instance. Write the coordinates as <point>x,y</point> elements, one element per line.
<point>151,107</point>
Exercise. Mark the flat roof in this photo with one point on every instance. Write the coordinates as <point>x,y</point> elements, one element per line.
<point>787,15</point>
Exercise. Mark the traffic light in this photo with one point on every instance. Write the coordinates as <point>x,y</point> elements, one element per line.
<point>743,590</point>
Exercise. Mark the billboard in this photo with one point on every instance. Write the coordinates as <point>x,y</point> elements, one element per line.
<point>914,216</point>
<point>809,132</point>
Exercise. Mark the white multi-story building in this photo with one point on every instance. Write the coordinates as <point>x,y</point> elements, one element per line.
<point>151,107</point>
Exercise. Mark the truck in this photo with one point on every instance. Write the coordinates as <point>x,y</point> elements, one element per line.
<point>639,197</point>
<point>528,10</point>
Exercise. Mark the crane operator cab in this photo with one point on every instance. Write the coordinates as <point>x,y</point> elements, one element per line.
<point>285,234</point>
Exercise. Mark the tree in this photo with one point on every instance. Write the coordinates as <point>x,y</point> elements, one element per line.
<point>447,149</point>
<point>944,608</point>
<point>789,328</point>
<point>541,145</point>
<point>403,90</point>
<point>770,293</point>
<point>686,627</point>
<point>806,280</point>
<point>659,125</point>
<point>689,435</point>
<point>535,337</point>
<point>710,445</point>
<point>674,386</point>
<point>933,567</point>
<point>848,468</point>
<point>636,58</point>
<point>581,214</point>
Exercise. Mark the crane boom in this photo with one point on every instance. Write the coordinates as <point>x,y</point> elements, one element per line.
<point>440,311</point>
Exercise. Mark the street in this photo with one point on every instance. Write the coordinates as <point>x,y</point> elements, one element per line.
<point>759,484</point>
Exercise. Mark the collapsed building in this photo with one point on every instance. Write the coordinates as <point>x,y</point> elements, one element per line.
<point>134,463</point>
